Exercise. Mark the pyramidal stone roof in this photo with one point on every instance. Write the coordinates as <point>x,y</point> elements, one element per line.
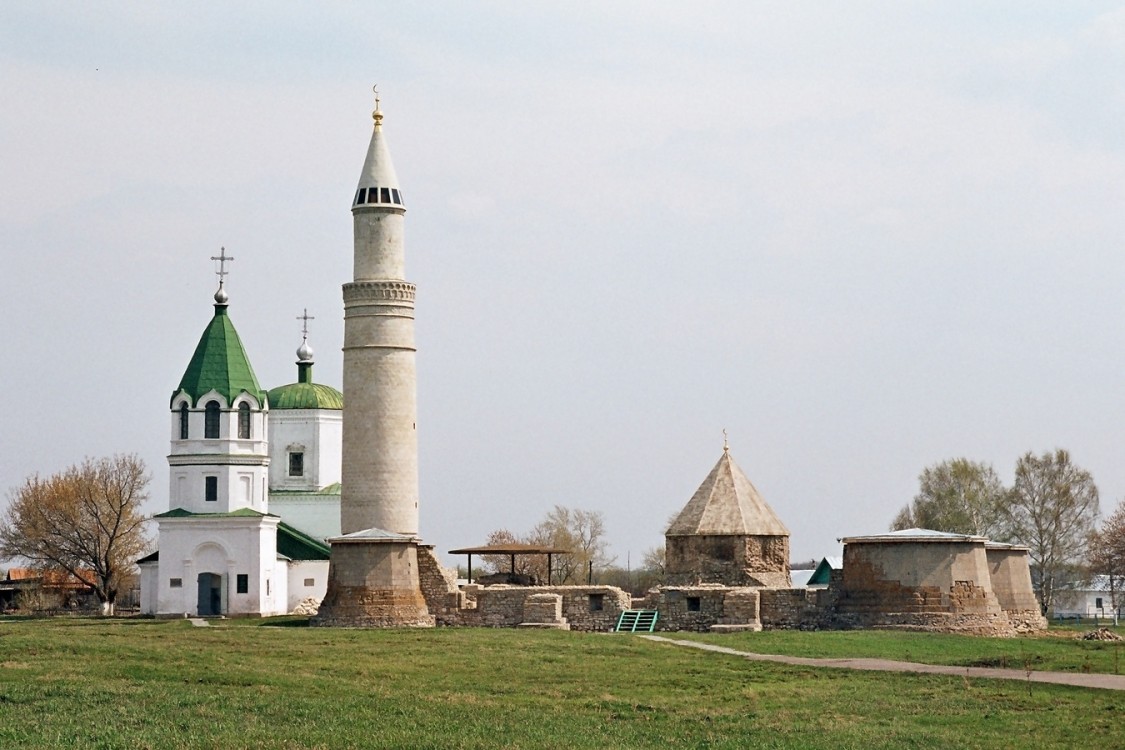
<point>727,504</point>
<point>219,363</point>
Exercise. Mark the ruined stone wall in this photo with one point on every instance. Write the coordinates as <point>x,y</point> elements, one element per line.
<point>1010,573</point>
<point>728,560</point>
<point>705,607</point>
<point>588,608</point>
<point>794,609</point>
<point>943,586</point>
<point>439,587</point>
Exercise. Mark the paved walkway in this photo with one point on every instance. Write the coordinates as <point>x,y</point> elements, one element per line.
<point>1103,681</point>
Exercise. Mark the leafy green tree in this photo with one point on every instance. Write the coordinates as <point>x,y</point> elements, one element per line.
<point>86,521</point>
<point>1052,508</point>
<point>1105,553</point>
<point>958,496</point>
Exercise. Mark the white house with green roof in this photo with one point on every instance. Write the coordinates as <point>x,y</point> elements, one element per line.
<point>221,548</point>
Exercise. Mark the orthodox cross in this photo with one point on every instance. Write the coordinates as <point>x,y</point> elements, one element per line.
<point>305,318</point>
<point>222,257</point>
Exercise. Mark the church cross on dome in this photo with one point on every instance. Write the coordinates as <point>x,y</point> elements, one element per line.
<point>222,257</point>
<point>305,318</point>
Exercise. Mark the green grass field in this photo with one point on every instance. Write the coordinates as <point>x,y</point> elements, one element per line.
<point>1058,650</point>
<point>85,683</point>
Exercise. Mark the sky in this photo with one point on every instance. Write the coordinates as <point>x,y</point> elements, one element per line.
<point>862,238</point>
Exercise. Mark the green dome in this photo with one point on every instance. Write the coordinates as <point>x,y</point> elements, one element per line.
<point>305,394</point>
<point>219,363</point>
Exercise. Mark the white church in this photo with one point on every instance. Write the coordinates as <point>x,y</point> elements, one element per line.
<point>254,485</point>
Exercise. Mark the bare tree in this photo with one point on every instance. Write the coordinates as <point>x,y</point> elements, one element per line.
<point>85,520</point>
<point>581,532</point>
<point>1105,554</point>
<point>959,496</point>
<point>1052,508</point>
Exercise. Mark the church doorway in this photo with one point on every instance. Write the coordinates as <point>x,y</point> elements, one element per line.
<point>210,594</point>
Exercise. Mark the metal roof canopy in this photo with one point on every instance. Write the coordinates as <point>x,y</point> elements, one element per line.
<point>511,550</point>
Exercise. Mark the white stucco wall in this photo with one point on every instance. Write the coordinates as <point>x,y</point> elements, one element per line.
<point>301,571</point>
<point>315,432</point>
<point>316,515</point>
<point>227,547</point>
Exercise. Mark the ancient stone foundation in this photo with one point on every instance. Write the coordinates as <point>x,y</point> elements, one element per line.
<point>373,584</point>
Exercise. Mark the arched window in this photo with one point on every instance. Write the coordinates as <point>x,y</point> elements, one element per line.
<point>244,421</point>
<point>211,420</point>
<point>183,421</point>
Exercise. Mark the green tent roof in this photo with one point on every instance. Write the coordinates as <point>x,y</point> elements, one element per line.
<point>219,363</point>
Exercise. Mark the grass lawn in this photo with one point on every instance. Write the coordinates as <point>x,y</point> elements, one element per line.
<point>1057,650</point>
<point>86,683</point>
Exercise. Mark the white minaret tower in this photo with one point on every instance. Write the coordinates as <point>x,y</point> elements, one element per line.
<point>380,469</point>
<point>373,576</point>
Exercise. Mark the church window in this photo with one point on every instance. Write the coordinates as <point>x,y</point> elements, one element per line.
<point>183,422</point>
<point>175,583</point>
<point>244,421</point>
<point>211,489</point>
<point>384,195</point>
<point>211,420</point>
<point>310,582</point>
<point>297,464</point>
<point>242,583</point>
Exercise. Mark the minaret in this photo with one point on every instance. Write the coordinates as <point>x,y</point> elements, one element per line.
<point>380,469</point>
<point>373,580</point>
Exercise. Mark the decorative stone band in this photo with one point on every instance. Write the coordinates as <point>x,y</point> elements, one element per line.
<point>380,292</point>
<point>217,459</point>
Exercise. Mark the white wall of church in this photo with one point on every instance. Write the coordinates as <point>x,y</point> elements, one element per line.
<point>316,433</point>
<point>227,548</point>
<point>150,574</point>
<point>308,579</point>
<point>316,515</point>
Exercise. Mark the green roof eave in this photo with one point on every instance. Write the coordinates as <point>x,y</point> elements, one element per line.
<point>219,364</point>
<point>240,513</point>
<point>297,545</point>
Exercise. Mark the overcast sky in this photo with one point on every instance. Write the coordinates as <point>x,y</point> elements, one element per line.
<point>861,237</point>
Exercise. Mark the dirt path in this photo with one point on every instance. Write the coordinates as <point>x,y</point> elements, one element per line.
<point>1103,681</point>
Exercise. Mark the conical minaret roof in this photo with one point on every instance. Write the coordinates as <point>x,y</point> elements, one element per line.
<point>727,503</point>
<point>378,183</point>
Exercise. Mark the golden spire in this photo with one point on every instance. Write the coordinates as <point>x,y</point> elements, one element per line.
<point>377,115</point>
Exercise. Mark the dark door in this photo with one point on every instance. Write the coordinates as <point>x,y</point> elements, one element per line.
<point>210,594</point>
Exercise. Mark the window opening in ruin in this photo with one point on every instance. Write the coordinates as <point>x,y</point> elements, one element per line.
<point>597,602</point>
<point>242,583</point>
<point>693,604</point>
